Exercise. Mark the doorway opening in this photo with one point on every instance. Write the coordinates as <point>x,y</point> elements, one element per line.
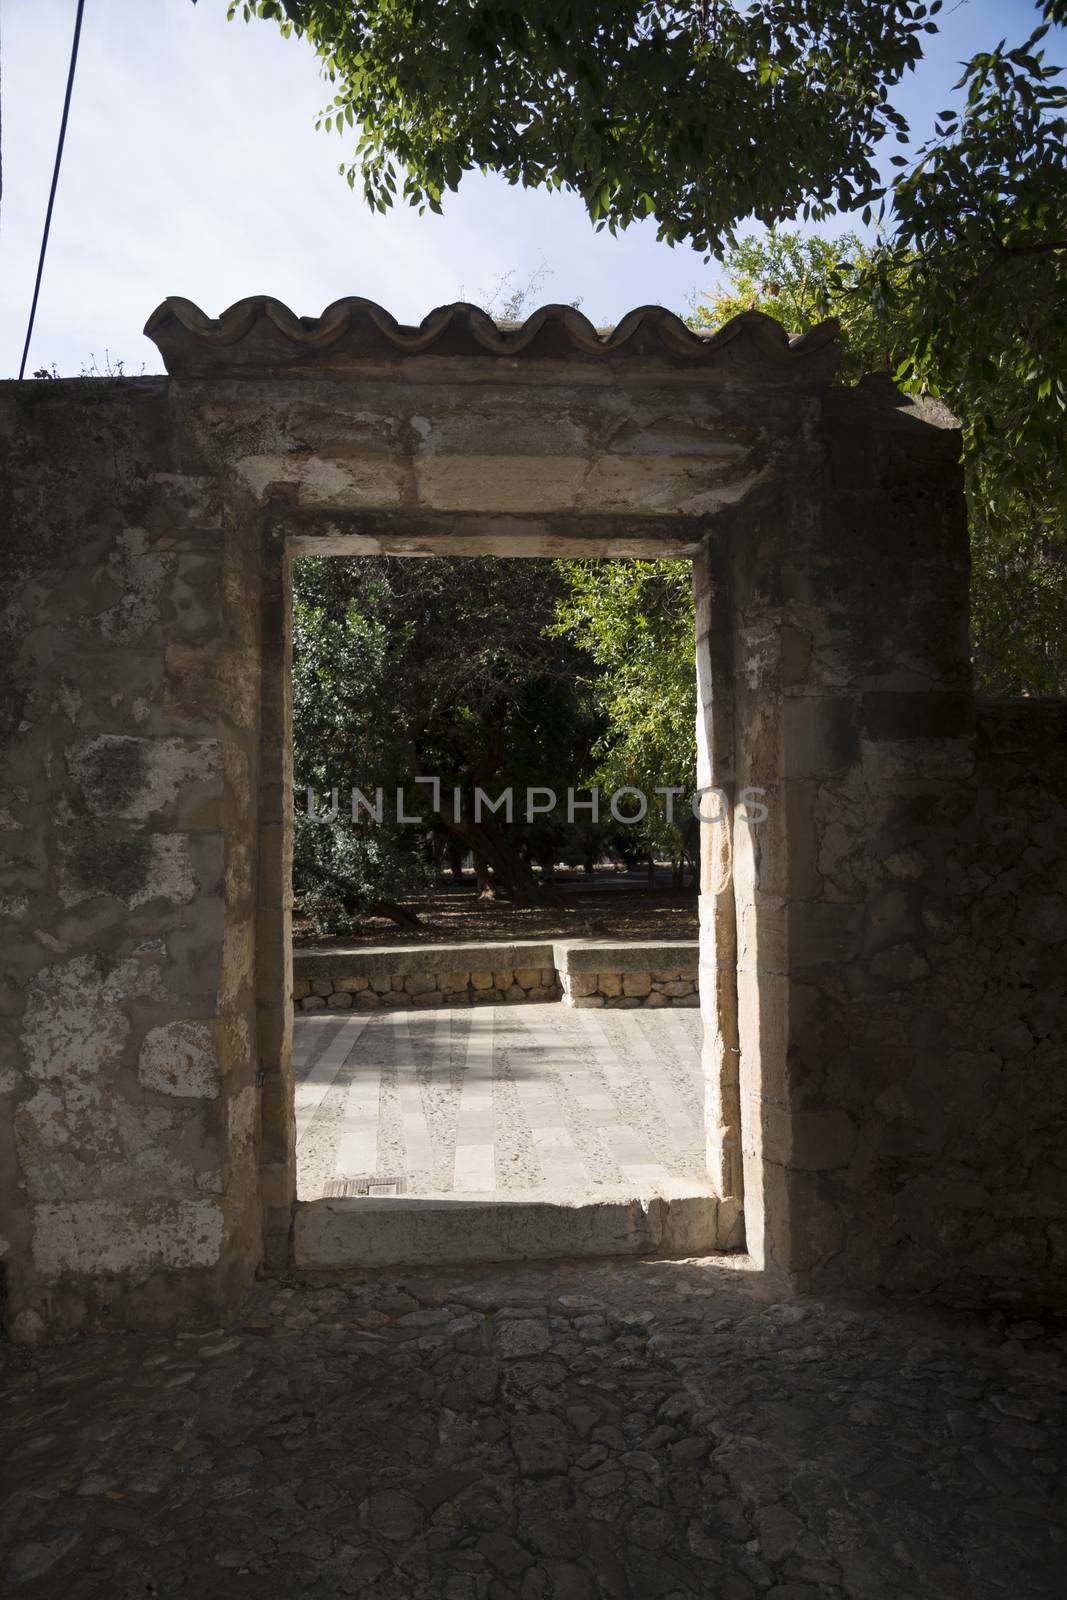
<point>495,877</point>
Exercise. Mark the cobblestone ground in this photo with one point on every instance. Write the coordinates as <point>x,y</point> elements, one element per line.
<point>620,1431</point>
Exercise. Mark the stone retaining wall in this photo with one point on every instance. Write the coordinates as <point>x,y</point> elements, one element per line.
<point>459,987</point>
<point>619,976</point>
<point>626,990</point>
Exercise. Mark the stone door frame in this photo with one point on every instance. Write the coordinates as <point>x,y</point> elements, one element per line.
<point>285,539</point>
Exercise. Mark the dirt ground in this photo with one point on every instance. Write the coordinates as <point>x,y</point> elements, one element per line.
<point>611,906</point>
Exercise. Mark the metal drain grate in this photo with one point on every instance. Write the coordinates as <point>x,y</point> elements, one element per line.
<point>377,1187</point>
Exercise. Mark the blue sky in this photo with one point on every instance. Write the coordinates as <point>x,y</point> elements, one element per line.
<point>192,167</point>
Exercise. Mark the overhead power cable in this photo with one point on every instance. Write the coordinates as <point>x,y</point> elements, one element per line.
<point>55,181</point>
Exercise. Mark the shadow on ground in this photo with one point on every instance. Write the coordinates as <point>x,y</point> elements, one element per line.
<point>565,1433</point>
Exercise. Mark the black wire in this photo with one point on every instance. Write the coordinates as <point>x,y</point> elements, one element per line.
<point>55,180</point>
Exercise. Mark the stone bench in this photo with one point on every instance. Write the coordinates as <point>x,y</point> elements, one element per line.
<point>577,972</point>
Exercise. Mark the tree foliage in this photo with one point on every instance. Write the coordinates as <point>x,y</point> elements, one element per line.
<point>443,669</point>
<point>1018,515</point>
<point>693,114</point>
<point>635,621</point>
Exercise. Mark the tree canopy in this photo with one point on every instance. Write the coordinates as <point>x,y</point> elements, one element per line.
<point>1016,493</point>
<point>446,669</point>
<point>694,114</point>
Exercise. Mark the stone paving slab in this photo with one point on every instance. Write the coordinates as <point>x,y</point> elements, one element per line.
<point>623,1432</point>
<point>536,1102</point>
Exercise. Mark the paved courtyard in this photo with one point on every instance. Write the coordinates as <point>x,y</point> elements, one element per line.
<point>535,1102</point>
<point>648,1431</point>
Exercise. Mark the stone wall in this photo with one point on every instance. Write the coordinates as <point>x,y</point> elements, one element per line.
<point>618,976</point>
<point>129,710</point>
<point>454,986</point>
<point>973,1143</point>
<point>880,960</point>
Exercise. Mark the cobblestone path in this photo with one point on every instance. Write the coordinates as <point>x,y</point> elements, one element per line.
<point>617,1431</point>
<point>534,1101</point>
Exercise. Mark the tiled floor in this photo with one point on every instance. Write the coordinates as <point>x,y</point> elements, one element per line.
<point>535,1101</point>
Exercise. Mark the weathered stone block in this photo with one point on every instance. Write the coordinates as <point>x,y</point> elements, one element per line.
<point>636,983</point>
<point>580,983</point>
<point>609,983</point>
<point>351,985</point>
<point>340,1000</point>
<point>178,1058</point>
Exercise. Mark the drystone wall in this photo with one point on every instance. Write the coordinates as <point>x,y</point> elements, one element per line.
<point>454,986</point>
<point>618,976</point>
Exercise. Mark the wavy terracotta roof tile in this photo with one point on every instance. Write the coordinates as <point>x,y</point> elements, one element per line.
<point>261,334</point>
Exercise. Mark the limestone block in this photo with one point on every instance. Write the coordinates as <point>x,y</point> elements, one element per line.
<point>579,983</point>
<point>527,977</point>
<point>340,1000</point>
<point>609,983</point>
<point>178,1059</point>
<point>367,1000</point>
<point>452,982</point>
<point>426,998</point>
<point>503,979</point>
<point>135,778</point>
<point>133,868</point>
<point>112,1236</point>
<point>313,1002</point>
<point>515,993</point>
<point>679,987</point>
<point>636,983</point>
<point>548,977</point>
<point>322,986</point>
<point>481,980</point>
<point>381,985</point>
<point>624,1002</point>
<point>351,985</point>
<point>420,983</point>
<point>654,1000</point>
<point>584,1000</point>
<point>301,987</point>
